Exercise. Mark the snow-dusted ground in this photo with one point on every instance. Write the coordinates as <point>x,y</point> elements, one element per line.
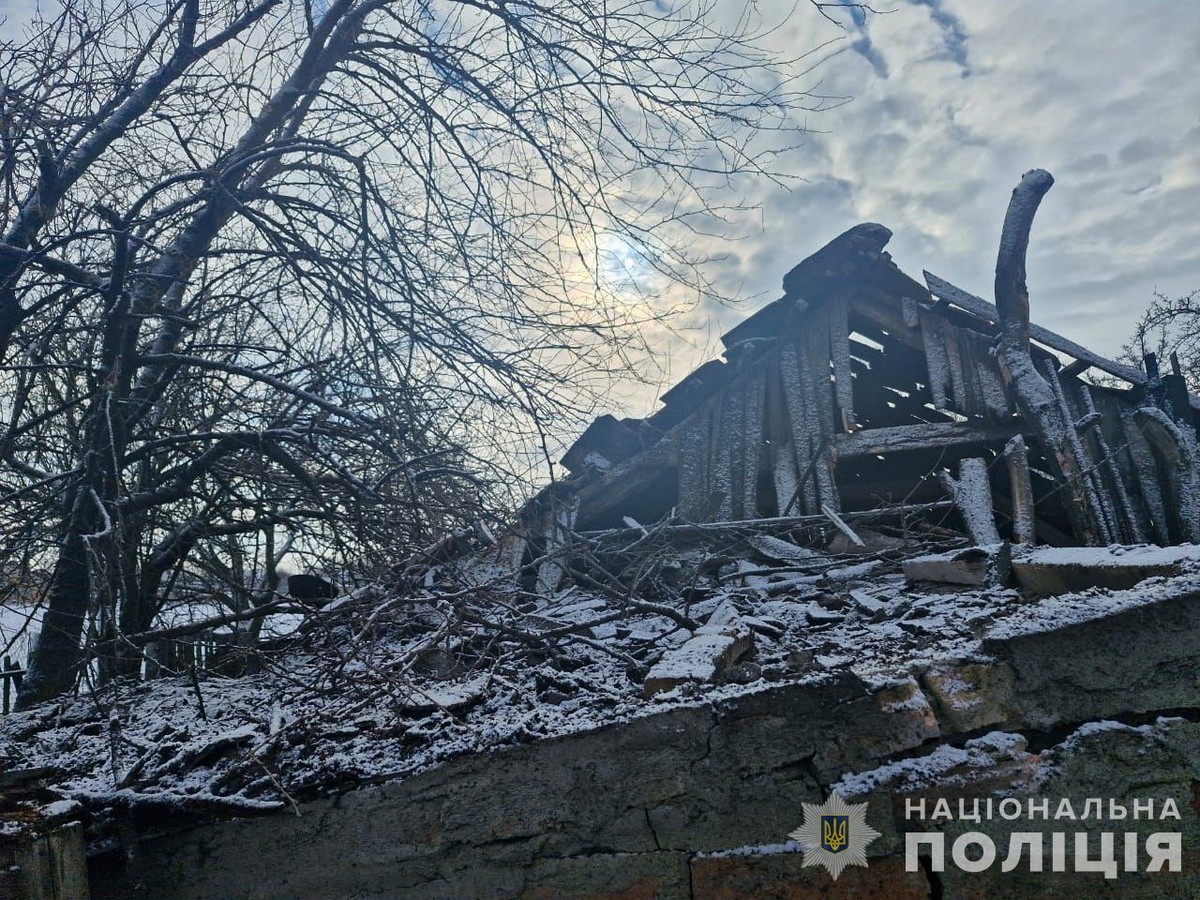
<point>385,686</point>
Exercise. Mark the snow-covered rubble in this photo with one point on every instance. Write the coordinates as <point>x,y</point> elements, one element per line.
<point>387,686</point>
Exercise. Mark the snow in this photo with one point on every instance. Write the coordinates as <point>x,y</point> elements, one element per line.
<point>389,687</point>
<point>751,850</point>
<point>848,573</point>
<point>946,765</point>
<point>1117,555</point>
<point>697,659</point>
<point>1066,610</point>
<point>596,461</point>
<point>781,550</point>
<point>60,808</point>
<point>1104,726</point>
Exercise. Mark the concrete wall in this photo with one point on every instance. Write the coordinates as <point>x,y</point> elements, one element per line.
<point>645,808</point>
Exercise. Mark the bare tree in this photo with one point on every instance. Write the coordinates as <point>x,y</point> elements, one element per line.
<point>276,268</point>
<point>1170,327</point>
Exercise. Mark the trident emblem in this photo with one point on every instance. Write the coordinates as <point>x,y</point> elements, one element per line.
<point>835,833</point>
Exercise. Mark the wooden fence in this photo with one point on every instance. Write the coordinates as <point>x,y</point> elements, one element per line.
<point>207,651</point>
<point>11,675</point>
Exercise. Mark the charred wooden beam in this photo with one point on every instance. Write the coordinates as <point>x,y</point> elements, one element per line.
<point>1016,457</point>
<point>1075,368</point>
<point>845,529</point>
<point>1179,456</point>
<point>937,359</point>
<point>1144,470</point>
<point>841,262</point>
<point>1038,401</point>
<point>608,440</point>
<point>797,394</point>
<point>628,479</point>
<point>839,354</point>
<point>1090,485</point>
<point>980,307</point>
<point>778,523</point>
<point>694,456</point>
<point>815,350</point>
<point>1128,521</point>
<point>972,495</point>
<point>927,436</point>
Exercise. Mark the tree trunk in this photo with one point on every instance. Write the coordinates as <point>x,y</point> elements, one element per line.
<point>54,664</point>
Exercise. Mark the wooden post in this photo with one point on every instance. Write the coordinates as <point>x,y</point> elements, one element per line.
<point>1127,522</point>
<point>1089,485</point>
<point>1145,476</point>
<point>5,677</point>
<point>1017,459</point>
<point>973,498</point>
<point>1176,449</point>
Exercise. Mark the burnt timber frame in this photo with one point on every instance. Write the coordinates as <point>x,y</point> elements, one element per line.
<point>861,386</point>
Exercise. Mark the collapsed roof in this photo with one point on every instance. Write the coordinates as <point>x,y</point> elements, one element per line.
<point>860,387</point>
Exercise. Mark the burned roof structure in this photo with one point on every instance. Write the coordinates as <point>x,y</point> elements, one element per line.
<point>861,388</point>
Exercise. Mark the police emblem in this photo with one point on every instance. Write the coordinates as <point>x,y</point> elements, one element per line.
<point>835,834</point>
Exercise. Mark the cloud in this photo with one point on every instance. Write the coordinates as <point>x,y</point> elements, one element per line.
<point>954,37</point>
<point>953,101</point>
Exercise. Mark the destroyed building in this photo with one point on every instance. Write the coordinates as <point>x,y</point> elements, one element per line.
<point>858,386</point>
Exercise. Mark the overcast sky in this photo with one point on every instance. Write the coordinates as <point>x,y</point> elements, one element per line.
<point>952,101</point>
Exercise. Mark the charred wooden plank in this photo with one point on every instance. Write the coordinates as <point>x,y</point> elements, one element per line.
<point>1089,483</point>
<point>815,359</point>
<point>972,495</point>
<point>1145,471</point>
<point>1128,522</point>
<point>609,439</point>
<point>924,436</point>
<point>777,436</point>
<point>1179,456</point>
<point>694,453</point>
<point>1076,367</point>
<point>752,443</point>
<point>980,307</point>
<point>726,474</point>
<point>839,353</point>
<point>937,359</point>
<point>958,381</point>
<point>1016,457</point>
<point>778,524</point>
<point>797,392</point>
<point>986,394</point>
<point>843,260</point>
<point>845,529</point>
<point>630,478</point>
